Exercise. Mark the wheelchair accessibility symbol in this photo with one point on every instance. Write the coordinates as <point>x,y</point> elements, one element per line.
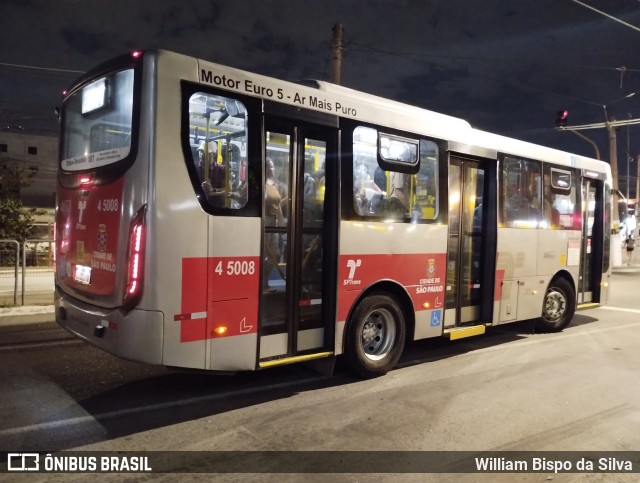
<point>436,318</point>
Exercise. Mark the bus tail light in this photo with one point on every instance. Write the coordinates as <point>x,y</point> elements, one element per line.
<point>135,259</point>
<point>54,247</point>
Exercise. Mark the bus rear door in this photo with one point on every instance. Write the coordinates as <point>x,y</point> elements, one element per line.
<point>471,248</point>
<point>591,241</point>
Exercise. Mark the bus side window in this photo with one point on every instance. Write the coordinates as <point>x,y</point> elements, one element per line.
<point>392,194</point>
<point>218,140</point>
<point>521,199</point>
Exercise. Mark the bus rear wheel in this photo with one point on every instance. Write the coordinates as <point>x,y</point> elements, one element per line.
<point>375,336</point>
<point>558,306</point>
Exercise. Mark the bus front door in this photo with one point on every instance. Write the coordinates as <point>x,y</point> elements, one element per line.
<point>298,220</point>
<point>592,241</point>
<point>471,247</point>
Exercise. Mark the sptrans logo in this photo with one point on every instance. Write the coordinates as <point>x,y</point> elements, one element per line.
<point>352,265</point>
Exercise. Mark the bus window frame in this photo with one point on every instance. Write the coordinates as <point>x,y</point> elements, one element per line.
<point>554,190</point>
<point>254,107</point>
<point>348,211</point>
<point>553,169</point>
<point>396,165</point>
<point>105,174</point>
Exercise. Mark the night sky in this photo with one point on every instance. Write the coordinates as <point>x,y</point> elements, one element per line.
<point>505,66</point>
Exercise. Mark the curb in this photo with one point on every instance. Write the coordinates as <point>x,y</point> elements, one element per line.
<point>34,314</point>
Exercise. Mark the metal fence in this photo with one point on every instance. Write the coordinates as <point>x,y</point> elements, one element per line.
<point>26,272</point>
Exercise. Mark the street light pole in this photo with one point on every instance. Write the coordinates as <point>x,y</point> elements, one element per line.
<point>588,139</point>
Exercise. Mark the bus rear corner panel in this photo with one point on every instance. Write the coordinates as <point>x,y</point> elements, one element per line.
<point>136,335</point>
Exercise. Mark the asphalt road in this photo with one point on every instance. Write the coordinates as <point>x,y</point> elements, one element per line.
<point>509,390</point>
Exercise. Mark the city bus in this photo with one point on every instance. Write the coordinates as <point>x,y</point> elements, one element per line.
<point>214,219</point>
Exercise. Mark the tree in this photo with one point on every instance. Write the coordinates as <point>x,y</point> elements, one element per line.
<point>13,178</point>
<point>16,221</point>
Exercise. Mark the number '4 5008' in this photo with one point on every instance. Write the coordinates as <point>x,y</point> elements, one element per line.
<point>236,267</point>
<point>108,205</point>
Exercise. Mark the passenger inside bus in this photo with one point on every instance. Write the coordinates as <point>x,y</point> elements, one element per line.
<point>274,218</point>
<point>366,191</point>
<point>215,182</point>
<point>398,194</point>
<point>273,199</point>
<point>551,213</point>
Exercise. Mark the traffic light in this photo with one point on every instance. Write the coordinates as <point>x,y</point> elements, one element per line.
<point>561,118</point>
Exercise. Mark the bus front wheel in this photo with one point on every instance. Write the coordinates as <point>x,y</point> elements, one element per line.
<point>375,336</point>
<point>558,306</point>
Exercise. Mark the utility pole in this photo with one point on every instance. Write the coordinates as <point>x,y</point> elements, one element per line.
<point>337,46</point>
<point>613,154</point>
<point>613,148</point>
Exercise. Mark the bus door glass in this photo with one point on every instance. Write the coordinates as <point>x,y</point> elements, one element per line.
<point>464,289</point>
<point>293,291</point>
<point>592,223</point>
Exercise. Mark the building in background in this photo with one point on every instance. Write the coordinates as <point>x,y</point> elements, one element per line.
<point>37,155</point>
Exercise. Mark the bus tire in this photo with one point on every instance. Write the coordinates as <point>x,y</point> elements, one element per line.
<point>558,306</point>
<point>375,336</point>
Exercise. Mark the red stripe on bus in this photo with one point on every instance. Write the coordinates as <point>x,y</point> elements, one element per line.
<point>192,330</point>
<point>194,298</point>
<point>226,289</point>
<point>422,275</point>
<point>194,285</point>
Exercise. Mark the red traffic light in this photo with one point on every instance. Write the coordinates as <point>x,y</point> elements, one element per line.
<point>561,118</point>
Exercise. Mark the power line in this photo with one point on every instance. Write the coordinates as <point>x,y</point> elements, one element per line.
<point>48,69</point>
<point>519,84</point>
<point>615,19</point>
<point>373,50</point>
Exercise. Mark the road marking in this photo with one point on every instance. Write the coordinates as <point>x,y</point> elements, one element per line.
<point>621,309</point>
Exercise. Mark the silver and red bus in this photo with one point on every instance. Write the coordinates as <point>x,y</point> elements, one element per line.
<point>216,219</point>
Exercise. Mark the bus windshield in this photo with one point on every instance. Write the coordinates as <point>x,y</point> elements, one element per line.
<point>97,122</point>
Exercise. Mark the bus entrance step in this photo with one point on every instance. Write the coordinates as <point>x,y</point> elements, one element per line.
<point>462,332</point>
<point>587,305</point>
<point>292,359</point>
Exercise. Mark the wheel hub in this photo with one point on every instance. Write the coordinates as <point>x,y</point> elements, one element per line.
<point>369,332</point>
<point>555,305</point>
<point>378,334</point>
